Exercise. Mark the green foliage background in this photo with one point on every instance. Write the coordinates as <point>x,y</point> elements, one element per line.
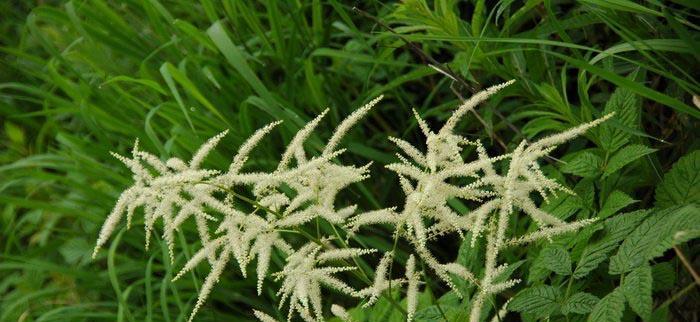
<point>81,78</point>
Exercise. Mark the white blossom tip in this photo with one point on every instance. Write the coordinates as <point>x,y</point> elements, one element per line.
<point>340,312</point>
<point>263,317</point>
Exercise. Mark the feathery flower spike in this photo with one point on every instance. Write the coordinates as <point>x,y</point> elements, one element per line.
<point>305,187</point>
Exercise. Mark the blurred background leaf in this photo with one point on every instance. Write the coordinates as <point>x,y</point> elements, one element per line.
<point>81,78</point>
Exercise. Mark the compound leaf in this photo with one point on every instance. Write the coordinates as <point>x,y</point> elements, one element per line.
<point>580,303</point>
<point>637,290</point>
<point>615,201</point>
<point>615,230</point>
<point>626,156</point>
<point>681,185</point>
<point>585,164</point>
<point>655,235</point>
<point>609,309</point>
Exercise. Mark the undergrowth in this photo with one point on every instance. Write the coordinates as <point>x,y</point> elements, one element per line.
<point>81,79</point>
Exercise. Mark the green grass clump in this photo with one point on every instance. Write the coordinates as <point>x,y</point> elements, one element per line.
<point>79,79</point>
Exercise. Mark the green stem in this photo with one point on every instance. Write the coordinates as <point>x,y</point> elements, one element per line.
<point>354,258</point>
<point>568,287</point>
<point>566,294</point>
<point>393,253</point>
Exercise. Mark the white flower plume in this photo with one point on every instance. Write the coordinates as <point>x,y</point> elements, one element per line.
<point>255,211</point>
<point>171,191</point>
<point>341,313</point>
<point>303,276</point>
<point>429,180</point>
<point>412,291</point>
<point>175,190</point>
<point>263,317</point>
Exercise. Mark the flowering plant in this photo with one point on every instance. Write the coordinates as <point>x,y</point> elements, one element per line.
<point>243,227</point>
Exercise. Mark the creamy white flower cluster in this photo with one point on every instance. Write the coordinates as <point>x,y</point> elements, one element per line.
<point>431,179</point>
<point>304,188</point>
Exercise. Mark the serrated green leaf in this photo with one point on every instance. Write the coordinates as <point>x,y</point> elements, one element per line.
<point>562,206</point>
<point>537,273</point>
<point>582,240</point>
<point>540,301</point>
<point>663,276</point>
<point>681,185</point>
<point>556,259</point>
<point>585,193</point>
<point>585,165</point>
<point>655,235</point>
<point>615,230</point>
<point>450,304</point>
<point>614,202</point>
<point>609,309</point>
<point>580,303</point>
<point>428,314</point>
<point>625,104</point>
<point>637,290</point>
<point>626,156</point>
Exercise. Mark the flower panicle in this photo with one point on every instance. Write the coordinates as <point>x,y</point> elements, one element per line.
<point>304,187</point>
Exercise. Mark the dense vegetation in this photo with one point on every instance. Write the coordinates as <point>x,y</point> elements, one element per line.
<point>79,79</point>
